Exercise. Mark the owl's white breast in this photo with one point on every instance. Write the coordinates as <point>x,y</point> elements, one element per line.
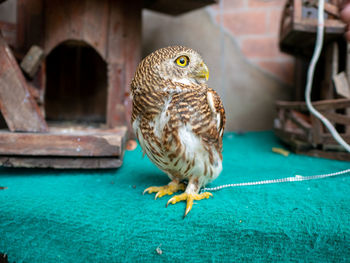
<point>161,120</point>
<point>194,150</point>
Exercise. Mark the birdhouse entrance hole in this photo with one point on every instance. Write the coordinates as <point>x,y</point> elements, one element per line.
<point>76,84</point>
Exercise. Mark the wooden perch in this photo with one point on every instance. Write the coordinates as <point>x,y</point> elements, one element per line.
<point>61,162</point>
<point>308,135</point>
<point>17,106</point>
<point>64,142</point>
<point>32,60</point>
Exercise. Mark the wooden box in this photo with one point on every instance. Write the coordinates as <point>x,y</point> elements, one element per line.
<point>306,134</point>
<point>68,105</point>
<point>299,25</point>
<point>303,132</point>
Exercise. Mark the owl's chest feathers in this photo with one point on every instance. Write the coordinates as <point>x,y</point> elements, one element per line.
<point>170,141</point>
<point>170,112</point>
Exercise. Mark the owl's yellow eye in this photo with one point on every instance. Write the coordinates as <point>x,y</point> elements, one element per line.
<point>182,61</point>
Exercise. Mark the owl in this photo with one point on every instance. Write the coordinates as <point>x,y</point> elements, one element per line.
<point>179,121</point>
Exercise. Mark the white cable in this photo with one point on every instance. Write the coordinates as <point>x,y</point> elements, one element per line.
<point>310,75</point>
<point>296,178</point>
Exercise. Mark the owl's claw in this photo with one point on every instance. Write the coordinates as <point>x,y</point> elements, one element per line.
<point>189,198</point>
<point>169,189</point>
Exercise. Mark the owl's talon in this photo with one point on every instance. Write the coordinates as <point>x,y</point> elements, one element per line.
<point>189,198</point>
<point>149,190</point>
<point>169,189</point>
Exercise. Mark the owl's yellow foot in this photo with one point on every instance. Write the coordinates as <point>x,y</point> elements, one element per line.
<point>169,189</point>
<point>189,198</point>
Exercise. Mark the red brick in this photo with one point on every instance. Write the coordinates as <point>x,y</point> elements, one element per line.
<point>274,21</point>
<point>262,47</point>
<point>245,22</point>
<point>266,3</point>
<point>283,70</point>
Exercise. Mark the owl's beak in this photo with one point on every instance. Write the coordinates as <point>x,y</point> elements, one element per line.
<point>203,72</point>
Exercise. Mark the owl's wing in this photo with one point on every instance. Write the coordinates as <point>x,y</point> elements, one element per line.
<point>217,107</point>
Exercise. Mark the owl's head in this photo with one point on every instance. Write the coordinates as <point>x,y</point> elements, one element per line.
<point>179,64</point>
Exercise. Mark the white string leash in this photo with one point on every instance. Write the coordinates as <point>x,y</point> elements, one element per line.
<point>296,178</point>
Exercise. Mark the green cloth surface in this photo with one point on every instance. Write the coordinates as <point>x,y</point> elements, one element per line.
<point>102,216</point>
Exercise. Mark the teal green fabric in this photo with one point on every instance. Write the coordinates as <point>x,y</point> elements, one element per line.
<point>102,216</point>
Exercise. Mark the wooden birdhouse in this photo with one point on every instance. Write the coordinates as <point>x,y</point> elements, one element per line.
<point>67,105</point>
<point>294,124</point>
<point>299,25</point>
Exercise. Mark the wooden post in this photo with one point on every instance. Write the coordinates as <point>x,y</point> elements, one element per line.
<point>124,33</point>
<point>17,106</point>
<point>30,24</point>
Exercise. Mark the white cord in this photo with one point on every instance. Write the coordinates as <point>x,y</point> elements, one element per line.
<point>310,75</point>
<point>296,178</point>
<point>326,122</point>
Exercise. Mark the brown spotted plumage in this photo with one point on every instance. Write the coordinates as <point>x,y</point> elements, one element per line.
<point>178,121</point>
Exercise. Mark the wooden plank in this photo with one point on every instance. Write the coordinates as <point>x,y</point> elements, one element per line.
<point>331,26</point>
<point>32,60</point>
<point>300,120</point>
<point>292,135</point>
<point>84,20</point>
<point>317,130</point>
<point>331,9</point>
<point>17,106</point>
<point>319,105</point>
<point>328,138</point>
<point>8,31</point>
<point>116,60</point>
<point>294,143</point>
<point>64,142</point>
<point>330,70</point>
<point>133,39</point>
<point>342,85</point>
<point>310,25</point>
<point>342,156</point>
<point>124,33</point>
<point>337,118</point>
<point>300,146</point>
<point>328,8</point>
<point>37,87</point>
<point>30,24</point>
<point>61,162</point>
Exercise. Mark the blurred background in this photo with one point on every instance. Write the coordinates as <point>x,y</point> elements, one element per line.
<point>238,39</point>
<point>239,42</point>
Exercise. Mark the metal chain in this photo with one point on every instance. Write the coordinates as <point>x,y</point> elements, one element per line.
<point>296,178</point>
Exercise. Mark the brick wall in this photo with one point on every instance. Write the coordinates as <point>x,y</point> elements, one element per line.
<point>255,26</point>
